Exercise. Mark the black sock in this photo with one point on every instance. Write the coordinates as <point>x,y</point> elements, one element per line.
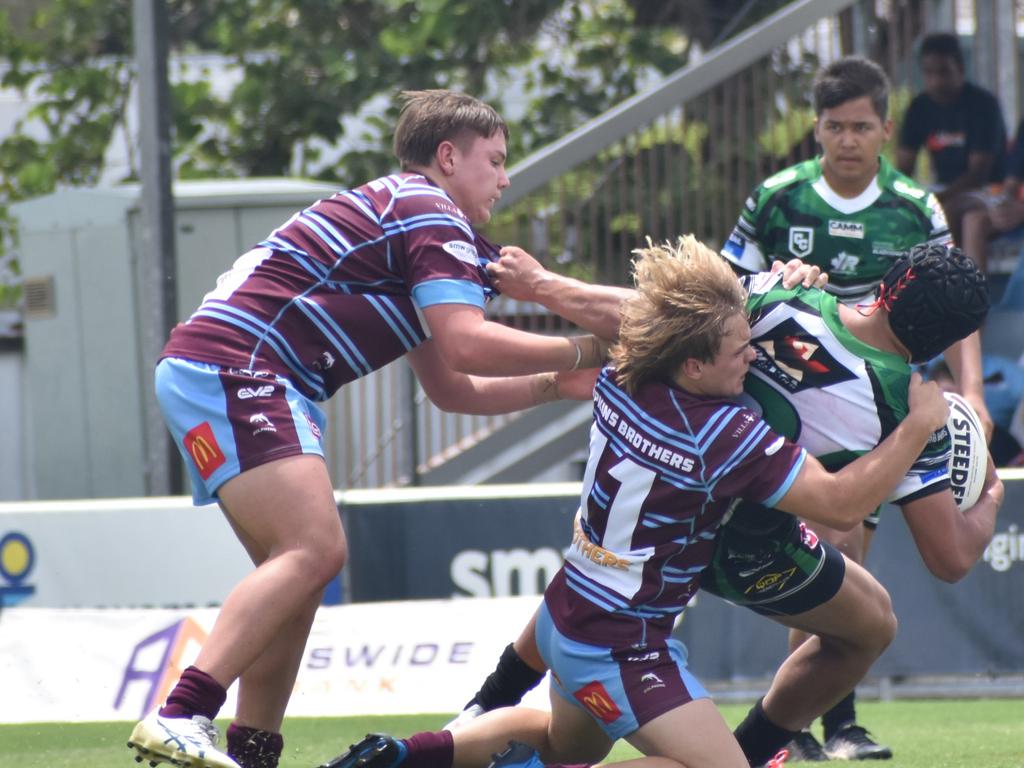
<point>841,714</point>
<point>759,737</point>
<point>508,683</point>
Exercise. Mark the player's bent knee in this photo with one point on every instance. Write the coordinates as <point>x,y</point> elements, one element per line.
<point>320,564</point>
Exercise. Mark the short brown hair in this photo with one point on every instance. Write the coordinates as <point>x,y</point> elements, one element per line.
<point>685,295</point>
<point>849,78</point>
<point>429,117</point>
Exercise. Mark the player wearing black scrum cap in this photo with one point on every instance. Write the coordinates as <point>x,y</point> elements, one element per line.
<point>835,379</point>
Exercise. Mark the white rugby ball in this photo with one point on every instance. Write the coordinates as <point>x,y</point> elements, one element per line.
<point>969,460</point>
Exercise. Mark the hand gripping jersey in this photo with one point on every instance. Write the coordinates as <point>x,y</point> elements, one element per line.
<point>335,292</point>
<point>820,386</point>
<point>662,469</point>
<point>795,214</point>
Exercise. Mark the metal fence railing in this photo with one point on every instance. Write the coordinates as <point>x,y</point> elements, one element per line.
<point>681,158</point>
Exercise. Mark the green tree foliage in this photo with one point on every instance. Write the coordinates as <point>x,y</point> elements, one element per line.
<point>303,66</point>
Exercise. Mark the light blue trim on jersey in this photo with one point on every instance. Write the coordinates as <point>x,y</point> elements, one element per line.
<point>330,237</point>
<point>340,340</point>
<point>680,575</point>
<point>428,220</point>
<point>772,500</point>
<point>386,309</point>
<point>263,333</point>
<point>349,286</point>
<point>361,202</point>
<point>303,259</point>
<point>692,442</point>
<point>594,592</point>
<point>712,428</point>
<point>448,291</point>
<point>742,451</point>
<point>620,448</point>
<point>393,183</point>
<point>654,520</point>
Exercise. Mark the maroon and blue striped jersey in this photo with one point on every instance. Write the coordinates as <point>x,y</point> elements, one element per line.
<point>664,467</point>
<point>336,291</point>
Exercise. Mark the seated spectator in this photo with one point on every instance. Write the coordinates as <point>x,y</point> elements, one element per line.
<point>962,127</point>
<point>1004,396</point>
<point>1003,214</point>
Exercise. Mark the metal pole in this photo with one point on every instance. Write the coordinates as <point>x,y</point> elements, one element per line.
<point>157,270</point>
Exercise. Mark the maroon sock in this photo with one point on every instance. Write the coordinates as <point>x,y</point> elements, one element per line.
<point>195,694</point>
<point>429,750</point>
<point>254,748</point>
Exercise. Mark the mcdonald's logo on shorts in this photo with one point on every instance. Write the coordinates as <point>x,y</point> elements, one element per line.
<point>202,447</point>
<point>597,702</point>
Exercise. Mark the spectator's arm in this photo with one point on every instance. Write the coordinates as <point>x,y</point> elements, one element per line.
<point>1011,187</point>
<point>905,159</point>
<point>1009,214</point>
<point>979,166</point>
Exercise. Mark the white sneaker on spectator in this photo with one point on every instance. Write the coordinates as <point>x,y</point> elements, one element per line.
<point>188,742</point>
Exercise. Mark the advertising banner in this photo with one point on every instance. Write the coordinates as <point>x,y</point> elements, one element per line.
<point>487,542</point>
<point>381,658</point>
<point>512,545</point>
<point>119,553</point>
<point>973,627</point>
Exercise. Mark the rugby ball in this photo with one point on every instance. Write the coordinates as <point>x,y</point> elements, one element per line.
<point>969,460</point>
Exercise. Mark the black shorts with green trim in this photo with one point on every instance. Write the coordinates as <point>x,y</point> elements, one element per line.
<point>772,563</point>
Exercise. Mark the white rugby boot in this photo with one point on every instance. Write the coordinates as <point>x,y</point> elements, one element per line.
<point>181,741</point>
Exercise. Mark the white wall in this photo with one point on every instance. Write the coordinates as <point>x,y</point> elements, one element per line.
<point>12,425</point>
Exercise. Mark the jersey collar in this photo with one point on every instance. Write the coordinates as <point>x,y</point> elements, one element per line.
<point>848,205</point>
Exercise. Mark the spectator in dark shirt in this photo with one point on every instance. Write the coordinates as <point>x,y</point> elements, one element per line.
<point>962,127</point>
<point>1004,213</point>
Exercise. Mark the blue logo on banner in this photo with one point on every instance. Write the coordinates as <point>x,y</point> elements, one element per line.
<point>16,560</point>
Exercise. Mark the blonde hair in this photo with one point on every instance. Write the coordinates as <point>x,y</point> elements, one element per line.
<point>429,117</point>
<point>685,294</point>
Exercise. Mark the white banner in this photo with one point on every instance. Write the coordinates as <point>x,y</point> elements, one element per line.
<point>113,553</point>
<point>371,658</point>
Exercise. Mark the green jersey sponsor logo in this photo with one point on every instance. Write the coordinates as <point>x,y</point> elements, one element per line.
<point>801,241</point>
<point>854,229</point>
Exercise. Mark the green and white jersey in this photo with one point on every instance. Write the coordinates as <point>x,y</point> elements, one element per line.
<point>795,213</point>
<point>825,389</point>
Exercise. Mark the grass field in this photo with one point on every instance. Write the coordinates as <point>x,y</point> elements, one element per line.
<point>923,734</point>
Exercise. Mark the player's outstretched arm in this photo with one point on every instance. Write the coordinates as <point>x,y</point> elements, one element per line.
<point>595,308</point>
<point>951,541</point>
<point>482,395</point>
<point>469,343</point>
<point>843,499</point>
